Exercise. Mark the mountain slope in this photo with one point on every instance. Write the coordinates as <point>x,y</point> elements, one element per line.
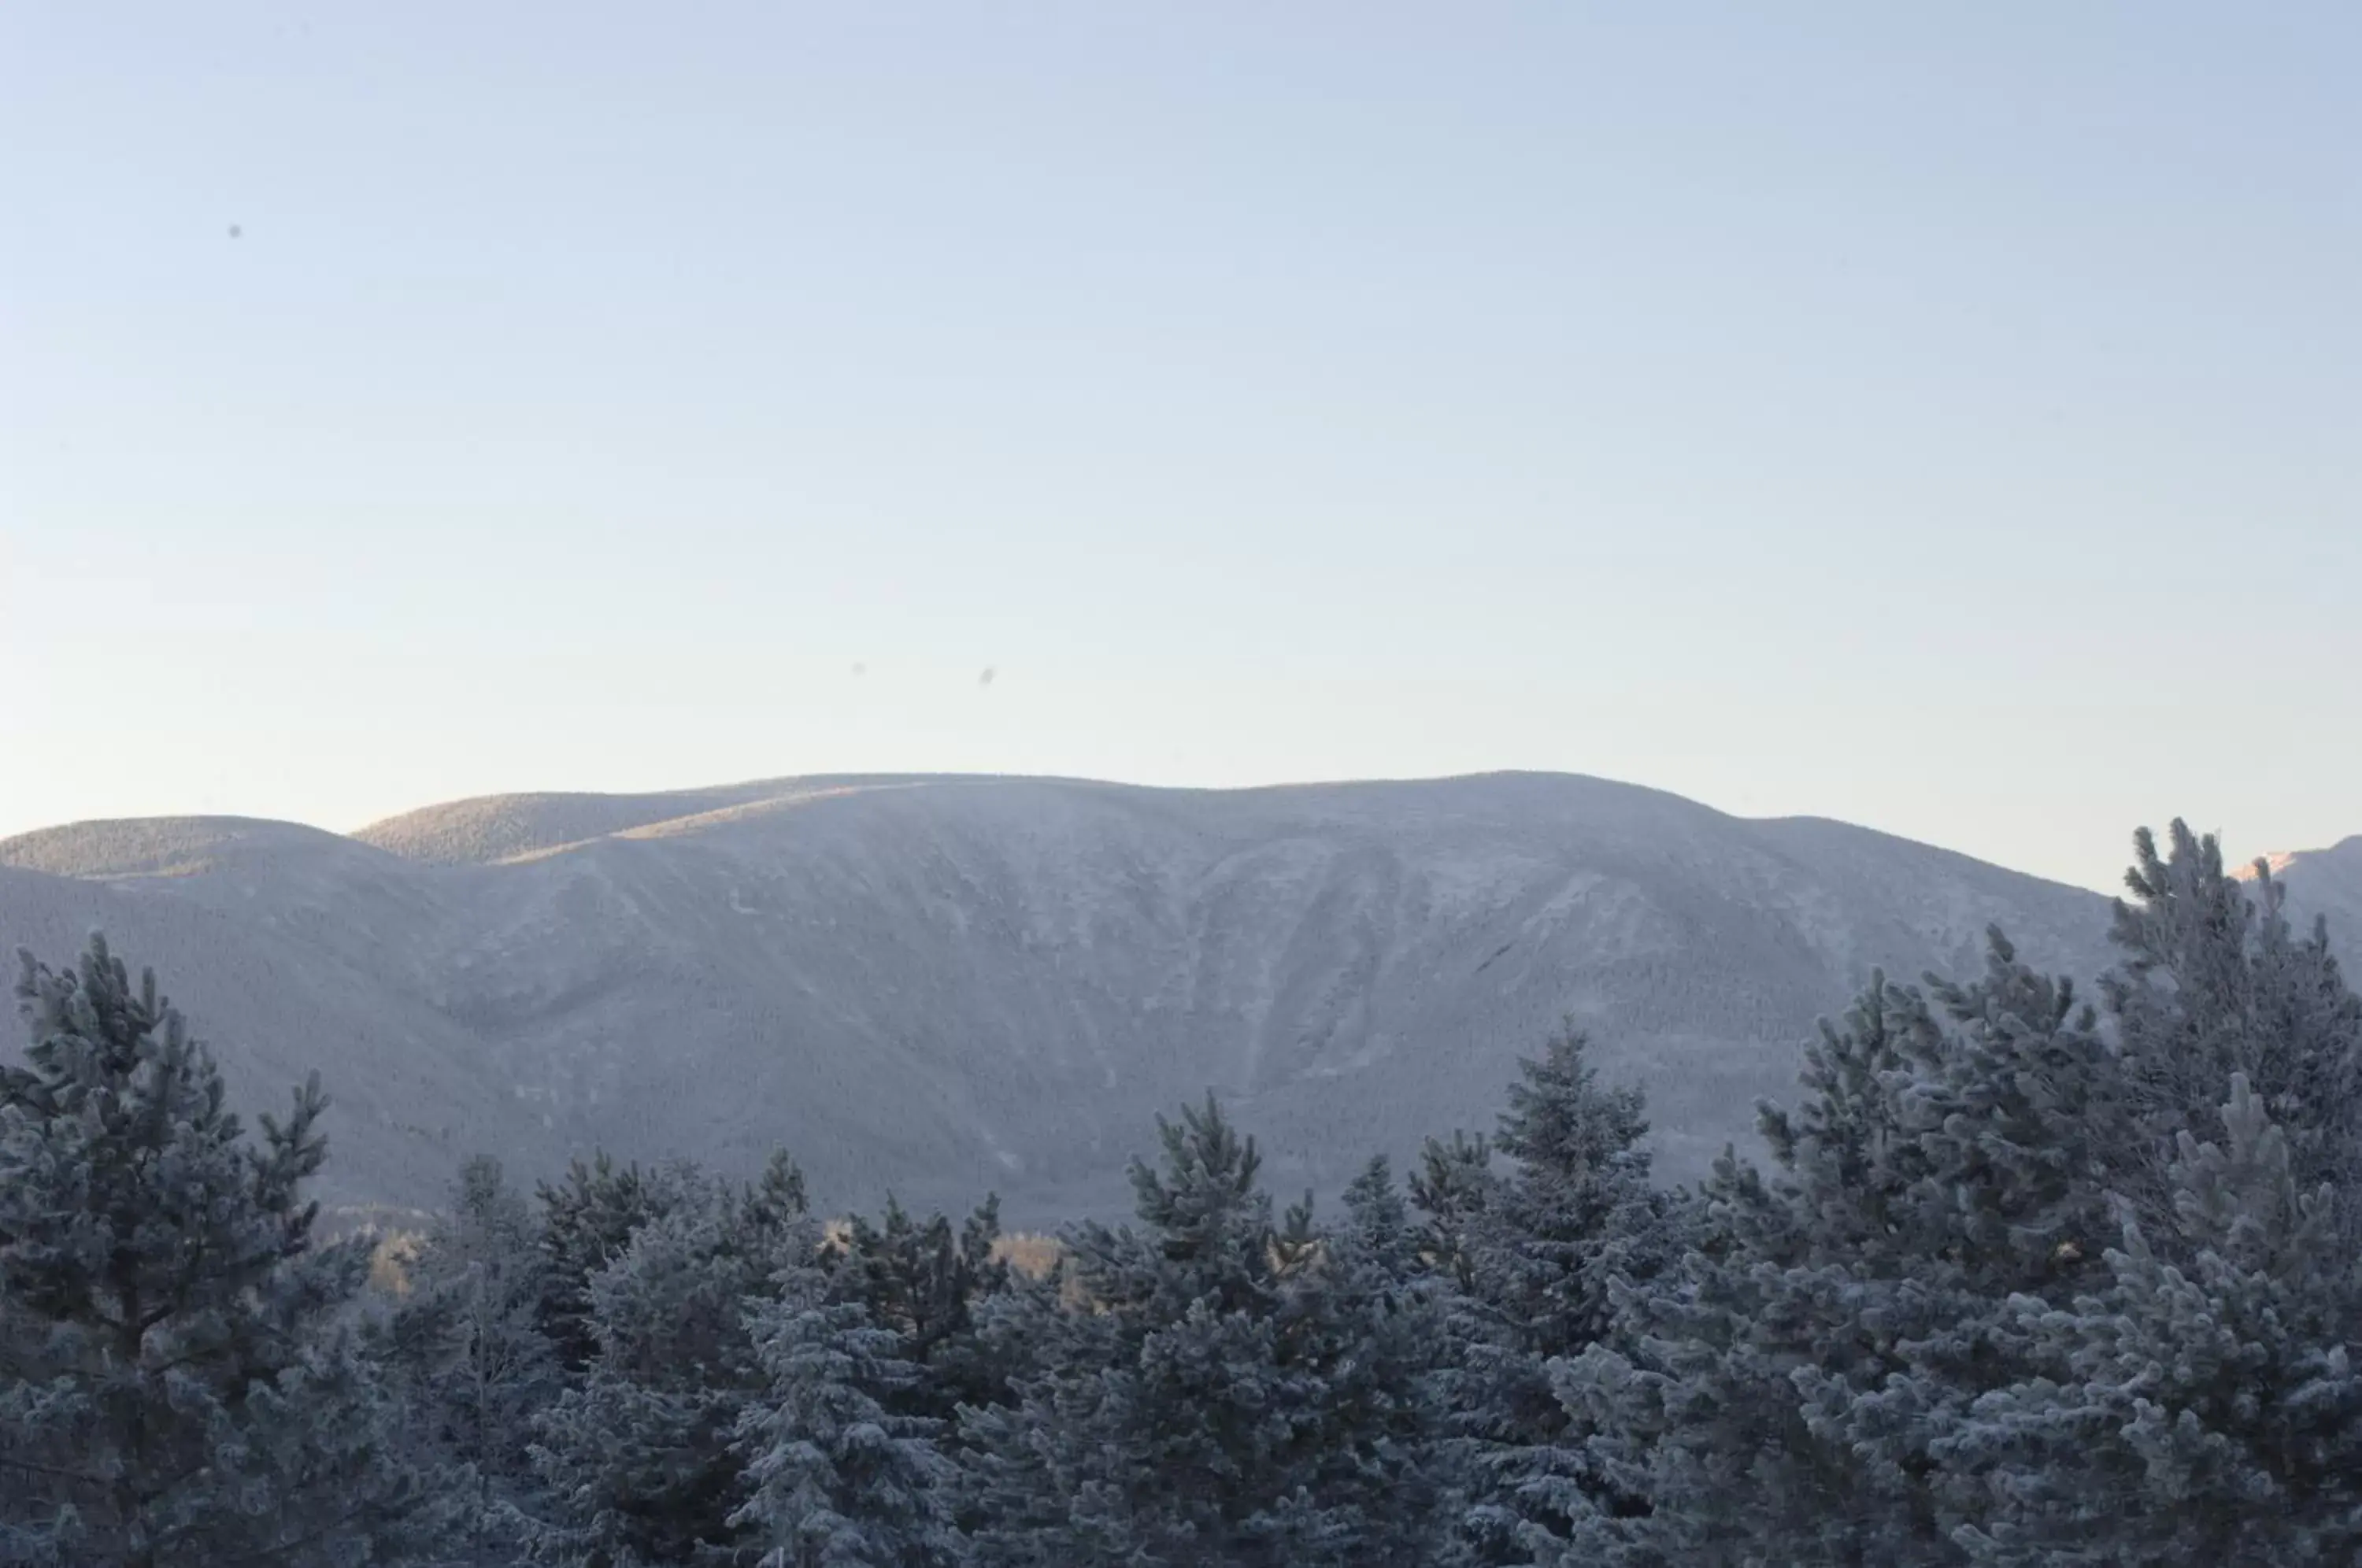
<point>946,984</point>
<point>2327,883</point>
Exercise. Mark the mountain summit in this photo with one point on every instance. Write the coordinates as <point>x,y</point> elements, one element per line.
<point>2325,882</point>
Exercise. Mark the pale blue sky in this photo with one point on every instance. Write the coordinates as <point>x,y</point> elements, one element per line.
<point>1946,418</point>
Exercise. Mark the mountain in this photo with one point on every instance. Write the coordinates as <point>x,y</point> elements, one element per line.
<point>2327,883</point>
<point>948,985</point>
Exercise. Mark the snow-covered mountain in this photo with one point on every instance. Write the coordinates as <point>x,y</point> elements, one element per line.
<point>945,985</point>
<point>2327,883</point>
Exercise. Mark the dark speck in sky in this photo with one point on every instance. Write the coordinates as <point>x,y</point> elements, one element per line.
<point>985,679</point>
<point>235,231</point>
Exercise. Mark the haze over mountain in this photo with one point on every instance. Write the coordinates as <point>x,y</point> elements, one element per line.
<point>945,985</point>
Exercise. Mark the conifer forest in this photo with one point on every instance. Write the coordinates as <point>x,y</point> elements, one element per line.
<point>2027,1271</point>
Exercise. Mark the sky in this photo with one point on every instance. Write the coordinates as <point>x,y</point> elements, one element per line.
<point>1946,419</point>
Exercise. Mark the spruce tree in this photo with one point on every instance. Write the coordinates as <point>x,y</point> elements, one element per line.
<point>1534,1251</point>
<point>838,1479</point>
<point>180,1378</point>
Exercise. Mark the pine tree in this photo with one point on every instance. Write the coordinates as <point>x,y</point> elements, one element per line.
<point>925,1282</point>
<point>587,1221</point>
<point>1787,1393</point>
<point>2197,1404</point>
<point>1450,1190</point>
<point>640,1456</point>
<point>776,1211</point>
<point>474,1366</point>
<point>2212,982</point>
<point>2202,1413</point>
<point>180,1382</point>
<point>1190,1392</point>
<point>838,1479</point>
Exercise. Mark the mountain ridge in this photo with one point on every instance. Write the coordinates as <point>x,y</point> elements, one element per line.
<point>944,983</point>
<point>2324,884</point>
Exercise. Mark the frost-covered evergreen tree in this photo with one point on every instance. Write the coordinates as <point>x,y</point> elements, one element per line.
<point>640,1456</point>
<point>587,1221</point>
<point>2198,1404</point>
<point>180,1382</point>
<point>2200,1413</point>
<point>1576,1205</point>
<point>2213,981</point>
<point>1533,1251</point>
<point>838,1479</point>
<point>1784,1396</point>
<point>925,1282</point>
<point>1375,1320</point>
<point>1190,1392</point>
<point>1448,1189</point>
<point>1910,1342</point>
<point>474,1368</point>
